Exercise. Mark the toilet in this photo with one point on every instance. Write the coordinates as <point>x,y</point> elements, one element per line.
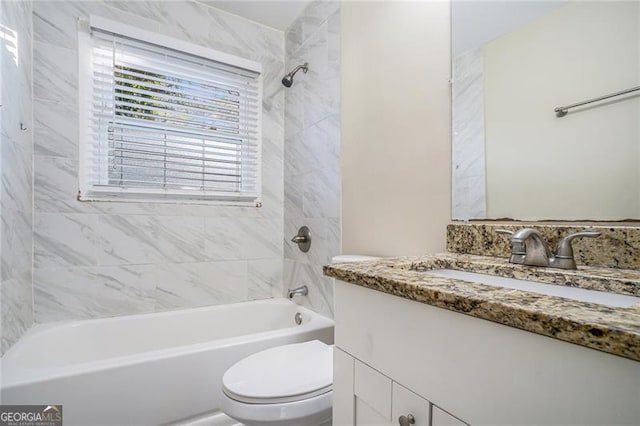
<point>289,385</point>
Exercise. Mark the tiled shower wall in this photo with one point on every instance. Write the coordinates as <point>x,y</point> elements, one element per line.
<point>96,259</point>
<point>16,170</point>
<point>312,149</point>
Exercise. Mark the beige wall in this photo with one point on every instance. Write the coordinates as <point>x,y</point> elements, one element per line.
<point>582,166</point>
<point>396,139</point>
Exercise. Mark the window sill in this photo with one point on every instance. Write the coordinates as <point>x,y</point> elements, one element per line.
<point>168,199</point>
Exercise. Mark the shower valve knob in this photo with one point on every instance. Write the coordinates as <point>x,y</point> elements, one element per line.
<point>303,239</point>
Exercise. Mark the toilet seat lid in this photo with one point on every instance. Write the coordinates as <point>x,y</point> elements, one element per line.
<point>282,374</point>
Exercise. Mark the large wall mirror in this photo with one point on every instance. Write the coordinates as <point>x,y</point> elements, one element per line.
<point>513,63</point>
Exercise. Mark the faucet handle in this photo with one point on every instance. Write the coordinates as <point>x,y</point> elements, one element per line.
<point>517,247</point>
<point>565,249</point>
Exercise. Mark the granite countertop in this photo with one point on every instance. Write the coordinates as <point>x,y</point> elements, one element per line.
<point>608,329</point>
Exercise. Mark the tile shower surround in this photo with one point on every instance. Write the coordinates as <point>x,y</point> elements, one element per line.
<point>112,258</point>
<point>97,259</point>
<point>312,151</point>
<point>16,198</point>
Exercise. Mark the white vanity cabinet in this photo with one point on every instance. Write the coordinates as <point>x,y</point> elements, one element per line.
<point>396,357</point>
<point>405,402</point>
<point>367,397</point>
<point>439,417</point>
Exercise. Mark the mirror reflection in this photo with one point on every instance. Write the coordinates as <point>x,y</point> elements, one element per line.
<point>513,157</point>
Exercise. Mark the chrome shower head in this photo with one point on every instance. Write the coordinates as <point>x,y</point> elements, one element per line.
<point>287,80</point>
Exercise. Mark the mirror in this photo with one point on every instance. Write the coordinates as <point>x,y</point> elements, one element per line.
<point>512,64</point>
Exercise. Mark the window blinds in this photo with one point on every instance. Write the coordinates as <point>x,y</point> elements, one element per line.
<point>166,122</point>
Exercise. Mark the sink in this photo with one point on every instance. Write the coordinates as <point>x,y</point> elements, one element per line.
<point>580,294</point>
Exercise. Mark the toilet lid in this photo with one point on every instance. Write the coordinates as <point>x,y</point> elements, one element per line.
<point>282,374</point>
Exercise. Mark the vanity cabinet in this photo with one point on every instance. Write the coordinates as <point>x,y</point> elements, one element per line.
<point>367,397</point>
<point>396,357</point>
<point>439,417</point>
<point>405,402</point>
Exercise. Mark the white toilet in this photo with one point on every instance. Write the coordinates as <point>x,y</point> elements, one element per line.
<point>289,385</point>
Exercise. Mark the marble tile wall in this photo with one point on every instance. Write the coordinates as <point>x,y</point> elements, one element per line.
<point>312,151</point>
<point>96,259</point>
<point>468,180</point>
<point>16,172</point>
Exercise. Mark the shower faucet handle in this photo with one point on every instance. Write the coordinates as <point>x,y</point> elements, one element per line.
<point>303,239</point>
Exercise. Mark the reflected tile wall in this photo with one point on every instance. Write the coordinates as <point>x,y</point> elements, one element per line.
<point>97,259</point>
<point>16,172</point>
<point>312,149</point>
<point>469,179</point>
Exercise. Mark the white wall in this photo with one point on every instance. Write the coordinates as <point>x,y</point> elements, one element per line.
<point>16,172</point>
<point>106,258</point>
<point>478,22</point>
<point>312,149</point>
<point>584,165</point>
<point>396,138</point>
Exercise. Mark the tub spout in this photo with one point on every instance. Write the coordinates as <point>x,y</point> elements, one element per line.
<point>303,291</point>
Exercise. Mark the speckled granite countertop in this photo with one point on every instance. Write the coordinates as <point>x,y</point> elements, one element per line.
<point>609,329</point>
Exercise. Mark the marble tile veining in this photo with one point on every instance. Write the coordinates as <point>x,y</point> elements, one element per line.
<point>64,240</point>
<point>92,292</point>
<point>56,130</point>
<point>468,156</point>
<point>188,285</point>
<point>265,278</point>
<point>16,168</point>
<point>149,239</point>
<point>320,298</point>
<point>55,73</point>
<point>312,151</point>
<point>95,259</point>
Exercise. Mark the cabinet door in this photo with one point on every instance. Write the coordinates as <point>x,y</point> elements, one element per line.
<point>440,417</point>
<point>405,403</point>
<point>372,392</point>
<point>365,415</point>
<point>343,393</point>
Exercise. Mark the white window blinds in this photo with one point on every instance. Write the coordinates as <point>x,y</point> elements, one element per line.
<point>162,122</point>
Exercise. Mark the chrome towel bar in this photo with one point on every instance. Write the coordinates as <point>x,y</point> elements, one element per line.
<point>561,111</point>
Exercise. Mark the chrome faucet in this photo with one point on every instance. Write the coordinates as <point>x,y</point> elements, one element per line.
<point>529,248</point>
<point>303,291</point>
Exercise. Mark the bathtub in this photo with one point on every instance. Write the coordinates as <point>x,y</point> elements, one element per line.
<point>147,369</point>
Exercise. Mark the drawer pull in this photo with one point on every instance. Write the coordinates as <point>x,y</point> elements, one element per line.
<point>407,420</point>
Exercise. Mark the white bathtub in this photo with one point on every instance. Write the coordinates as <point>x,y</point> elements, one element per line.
<point>147,369</point>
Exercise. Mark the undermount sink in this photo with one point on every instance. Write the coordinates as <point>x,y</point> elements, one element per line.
<point>580,294</point>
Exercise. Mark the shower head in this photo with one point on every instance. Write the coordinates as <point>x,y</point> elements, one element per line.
<point>287,80</point>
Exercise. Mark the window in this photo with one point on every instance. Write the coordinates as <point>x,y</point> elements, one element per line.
<point>166,119</point>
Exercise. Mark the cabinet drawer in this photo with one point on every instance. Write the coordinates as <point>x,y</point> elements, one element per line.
<point>407,403</point>
<point>440,417</point>
<point>373,388</point>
